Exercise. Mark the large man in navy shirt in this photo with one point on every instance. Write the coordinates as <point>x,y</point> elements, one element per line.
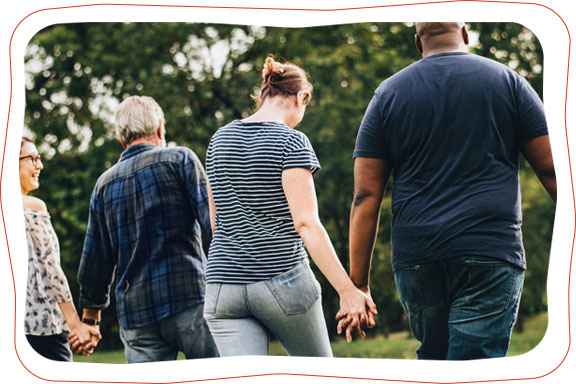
<point>146,215</point>
<point>449,127</point>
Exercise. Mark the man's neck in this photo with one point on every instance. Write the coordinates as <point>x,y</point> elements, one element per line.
<point>150,140</point>
<point>443,44</point>
<point>438,50</point>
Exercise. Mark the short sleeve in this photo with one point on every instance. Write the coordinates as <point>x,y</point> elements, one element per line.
<point>370,138</point>
<point>532,121</point>
<point>298,153</point>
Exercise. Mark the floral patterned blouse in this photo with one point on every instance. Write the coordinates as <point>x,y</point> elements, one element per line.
<point>47,284</point>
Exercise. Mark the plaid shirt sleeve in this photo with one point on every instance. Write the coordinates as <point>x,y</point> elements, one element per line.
<point>97,265</point>
<point>195,179</point>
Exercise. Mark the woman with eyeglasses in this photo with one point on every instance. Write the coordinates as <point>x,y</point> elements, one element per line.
<point>264,213</point>
<point>50,312</point>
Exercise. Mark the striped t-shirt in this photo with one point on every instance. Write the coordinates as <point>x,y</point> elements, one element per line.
<point>254,237</point>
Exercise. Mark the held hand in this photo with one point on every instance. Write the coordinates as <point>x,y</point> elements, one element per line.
<point>83,349</point>
<point>84,338</point>
<point>76,346</point>
<point>351,326</point>
<point>371,311</point>
<point>356,310</point>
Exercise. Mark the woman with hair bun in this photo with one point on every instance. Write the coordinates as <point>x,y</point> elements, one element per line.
<point>264,213</point>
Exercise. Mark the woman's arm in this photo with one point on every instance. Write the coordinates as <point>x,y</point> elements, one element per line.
<point>211,206</point>
<point>86,336</point>
<point>299,190</point>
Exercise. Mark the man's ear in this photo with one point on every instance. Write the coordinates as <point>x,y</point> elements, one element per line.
<point>465,35</point>
<point>123,143</point>
<point>159,130</point>
<point>418,43</point>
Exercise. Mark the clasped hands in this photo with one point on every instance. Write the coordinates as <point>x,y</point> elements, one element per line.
<point>83,338</point>
<point>357,310</point>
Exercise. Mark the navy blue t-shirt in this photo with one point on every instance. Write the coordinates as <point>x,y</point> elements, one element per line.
<point>450,126</point>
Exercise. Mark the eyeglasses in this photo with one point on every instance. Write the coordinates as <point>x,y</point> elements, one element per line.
<point>34,157</point>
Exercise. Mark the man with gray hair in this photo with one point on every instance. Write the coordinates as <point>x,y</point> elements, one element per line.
<point>146,216</point>
<point>450,127</point>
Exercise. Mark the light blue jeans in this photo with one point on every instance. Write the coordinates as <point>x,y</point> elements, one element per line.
<point>241,317</point>
<point>184,331</point>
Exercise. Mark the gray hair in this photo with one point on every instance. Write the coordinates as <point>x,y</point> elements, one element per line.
<point>137,117</point>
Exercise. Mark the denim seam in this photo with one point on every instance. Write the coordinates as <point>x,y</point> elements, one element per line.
<point>422,295</point>
<point>511,291</point>
<point>245,297</point>
<point>278,299</point>
<point>214,308</point>
<point>495,263</point>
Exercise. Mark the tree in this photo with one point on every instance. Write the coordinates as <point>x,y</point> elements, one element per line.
<point>202,75</point>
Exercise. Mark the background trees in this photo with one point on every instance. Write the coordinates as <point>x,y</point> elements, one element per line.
<point>202,76</point>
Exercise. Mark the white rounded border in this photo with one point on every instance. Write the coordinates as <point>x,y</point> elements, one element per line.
<point>547,26</point>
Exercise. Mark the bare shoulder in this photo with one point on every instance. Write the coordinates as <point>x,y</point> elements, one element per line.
<point>34,203</point>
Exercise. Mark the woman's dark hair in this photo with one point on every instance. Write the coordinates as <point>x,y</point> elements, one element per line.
<point>25,140</point>
<point>282,79</point>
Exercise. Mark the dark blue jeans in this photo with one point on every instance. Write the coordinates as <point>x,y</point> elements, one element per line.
<point>461,308</point>
<point>184,331</point>
<point>53,347</point>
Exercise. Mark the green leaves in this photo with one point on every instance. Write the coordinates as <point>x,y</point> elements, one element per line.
<point>203,75</point>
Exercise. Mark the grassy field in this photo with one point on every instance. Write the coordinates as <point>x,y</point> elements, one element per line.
<point>397,346</point>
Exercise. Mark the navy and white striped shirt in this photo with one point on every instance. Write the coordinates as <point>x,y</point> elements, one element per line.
<point>254,237</point>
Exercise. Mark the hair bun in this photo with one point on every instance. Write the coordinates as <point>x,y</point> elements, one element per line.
<point>282,79</point>
<point>268,65</point>
<point>272,70</point>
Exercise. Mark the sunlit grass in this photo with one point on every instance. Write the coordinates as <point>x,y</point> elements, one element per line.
<point>534,330</point>
<point>398,346</point>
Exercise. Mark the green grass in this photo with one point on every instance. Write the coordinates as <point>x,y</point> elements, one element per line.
<point>398,346</point>
<point>534,330</point>
<point>109,357</point>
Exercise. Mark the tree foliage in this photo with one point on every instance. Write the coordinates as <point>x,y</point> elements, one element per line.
<point>202,75</point>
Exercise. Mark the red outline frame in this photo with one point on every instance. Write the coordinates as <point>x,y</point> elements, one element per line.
<point>309,10</point>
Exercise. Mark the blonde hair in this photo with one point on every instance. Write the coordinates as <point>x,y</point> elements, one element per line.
<point>282,79</point>
<point>137,117</point>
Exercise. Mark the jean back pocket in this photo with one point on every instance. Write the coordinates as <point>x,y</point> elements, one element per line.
<point>296,290</point>
<point>492,284</point>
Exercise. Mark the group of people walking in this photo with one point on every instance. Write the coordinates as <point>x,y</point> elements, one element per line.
<point>449,128</point>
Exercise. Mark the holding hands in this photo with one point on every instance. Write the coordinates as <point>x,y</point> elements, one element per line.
<point>83,338</point>
<point>356,311</point>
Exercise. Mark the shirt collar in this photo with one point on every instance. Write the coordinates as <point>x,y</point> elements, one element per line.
<point>136,149</point>
<point>453,53</point>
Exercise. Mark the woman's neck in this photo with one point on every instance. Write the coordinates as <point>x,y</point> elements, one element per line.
<point>273,110</point>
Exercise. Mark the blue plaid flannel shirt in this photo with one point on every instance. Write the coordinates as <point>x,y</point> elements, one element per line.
<point>144,227</point>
